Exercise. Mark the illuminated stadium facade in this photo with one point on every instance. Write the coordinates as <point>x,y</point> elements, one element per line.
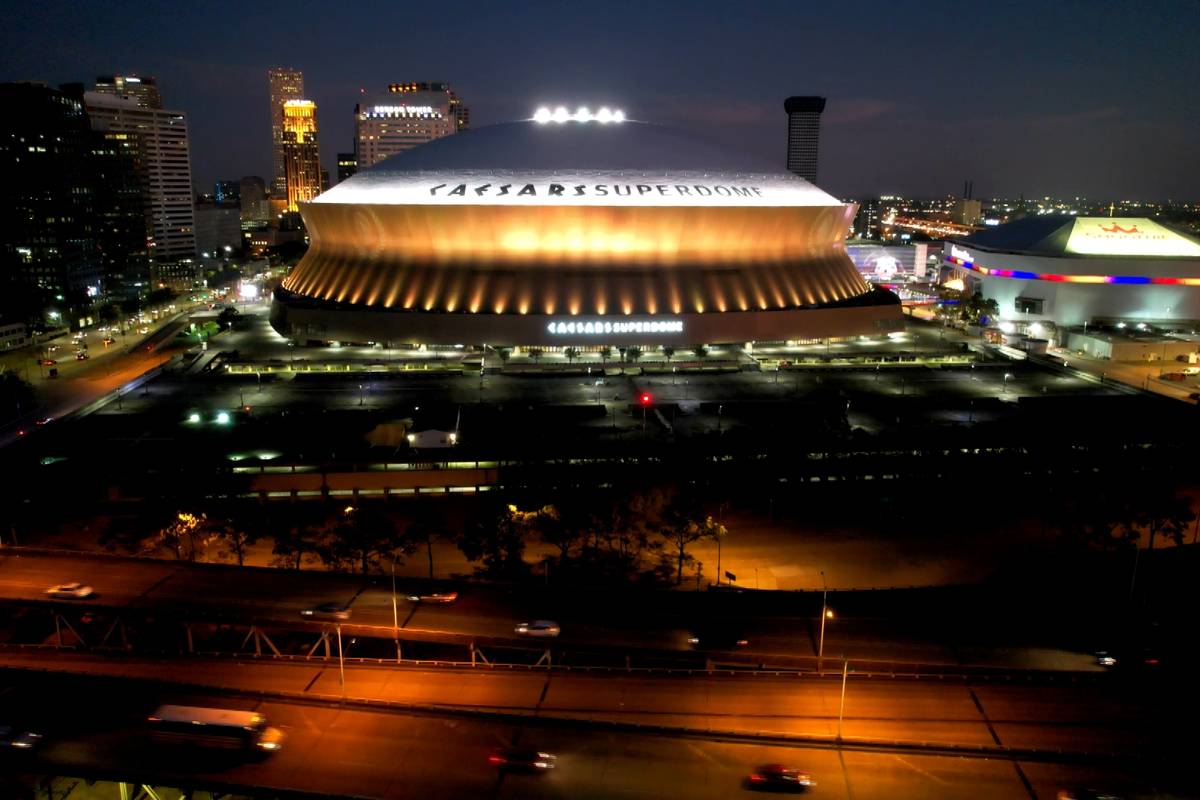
<point>559,231</point>
<point>1073,270</point>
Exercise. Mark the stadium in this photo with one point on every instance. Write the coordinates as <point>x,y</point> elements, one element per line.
<point>570,230</point>
<point>1069,270</point>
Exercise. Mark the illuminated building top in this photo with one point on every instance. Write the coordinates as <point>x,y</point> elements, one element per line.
<point>1135,236</point>
<point>585,159</point>
<point>1068,236</point>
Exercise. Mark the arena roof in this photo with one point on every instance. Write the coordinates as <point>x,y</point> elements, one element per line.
<point>1066,235</point>
<point>589,163</point>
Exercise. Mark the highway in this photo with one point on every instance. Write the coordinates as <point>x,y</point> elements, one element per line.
<point>1094,719</point>
<point>94,729</point>
<point>200,592</point>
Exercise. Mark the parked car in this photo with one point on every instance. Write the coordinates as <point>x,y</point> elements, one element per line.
<point>1173,376</point>
<point>539,628</point>
<point>522,759</point>
<point>332,610</point>
<point>779,778</point>
<point>71,591</point>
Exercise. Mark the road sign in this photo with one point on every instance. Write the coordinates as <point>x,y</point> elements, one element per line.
<point>732,578</point>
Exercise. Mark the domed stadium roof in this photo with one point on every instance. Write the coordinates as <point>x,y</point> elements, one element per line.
<point>585,154</point>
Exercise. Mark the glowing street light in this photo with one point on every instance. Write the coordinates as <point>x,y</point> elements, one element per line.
<point>1007,377</point>
<point>222,418</point>
<point>826,613</point>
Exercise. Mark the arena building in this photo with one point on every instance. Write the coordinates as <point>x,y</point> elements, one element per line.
<point>1070,271</point>
<point>577,229</point>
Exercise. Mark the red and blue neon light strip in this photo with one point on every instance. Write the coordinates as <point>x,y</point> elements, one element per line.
<point>1041,276</point>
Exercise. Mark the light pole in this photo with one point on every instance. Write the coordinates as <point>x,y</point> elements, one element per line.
<point>825,614</point>
<point>1007,377</point>
<point>341,662</point>
<point>842,704</point>
<point>395,613</point>
<point>720,409</point>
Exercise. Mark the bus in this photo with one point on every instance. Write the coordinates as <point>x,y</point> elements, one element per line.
<point>214,727</point>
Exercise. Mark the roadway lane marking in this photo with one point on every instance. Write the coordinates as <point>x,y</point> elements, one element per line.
<point>1025,781</point>
<point>314,679</point>
<point>920,771</point>
<point>986,721</point>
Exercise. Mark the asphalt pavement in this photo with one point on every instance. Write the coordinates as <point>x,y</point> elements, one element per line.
<point>95,729</point>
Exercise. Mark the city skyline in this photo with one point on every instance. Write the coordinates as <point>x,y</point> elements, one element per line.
<point>1021,100</point>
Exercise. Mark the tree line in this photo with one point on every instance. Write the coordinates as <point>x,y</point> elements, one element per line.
<point>639,535</point>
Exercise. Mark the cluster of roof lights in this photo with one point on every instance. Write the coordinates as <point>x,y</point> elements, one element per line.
<point>582,114</point>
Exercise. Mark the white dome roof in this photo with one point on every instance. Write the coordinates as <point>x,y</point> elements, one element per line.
<point>576,163</point>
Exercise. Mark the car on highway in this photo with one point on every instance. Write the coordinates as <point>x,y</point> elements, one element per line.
<point>717,636</point>
<point>18,738</point>
<point>522,759</point>
<point>81,356</point>
<point>1082,793</point>
<point>779,778</point>
<point>44,421</point>
<point>331,610</point>
<point>539,628</point>
<point>71,591</point>
<point>46,362</point>
<point>433,597</point>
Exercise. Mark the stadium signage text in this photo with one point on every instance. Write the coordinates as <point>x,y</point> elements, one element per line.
<point>597,327</point>
<point>593,190</point>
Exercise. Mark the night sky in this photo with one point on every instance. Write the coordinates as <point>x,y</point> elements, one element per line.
<point>1061,98</point>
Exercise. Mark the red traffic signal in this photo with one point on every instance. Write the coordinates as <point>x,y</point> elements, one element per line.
<point>646,399</point>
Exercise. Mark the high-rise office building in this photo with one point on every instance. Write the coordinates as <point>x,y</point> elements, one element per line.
<point>121,222</point>
<point>284,84</point>
<point>301,154</point>
<point>409,114</point>
<point>347,165</point>
<point>227,192</point>
<point>255,210</point>
<point>143,89</point>
<point>804,133</point>
<point>166,174</point>
<point>48,256</point>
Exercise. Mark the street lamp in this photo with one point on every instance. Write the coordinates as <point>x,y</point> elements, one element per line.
<point>395,613</point>
<point>1007,378</point>
<point>826,613</point>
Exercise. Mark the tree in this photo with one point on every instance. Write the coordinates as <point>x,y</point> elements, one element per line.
<point>1164,512</point>
<point>571,353</point>
<point>361,538</point>
<point>131,306</point>
<point>534,354</point>
<point>187,536</point>
<point>680,531</point>
<point>633,354</point>
<point>424,529</point>
<point>668,352</point>
<point>495,535</point>
<point>605,354</point>
<point>227,317</point>
<point>700,351</point>
<point>505,354</point>
<point>234,538</point>
<point>108,313</point>
<point>17,397</point>
<point>296,541</point>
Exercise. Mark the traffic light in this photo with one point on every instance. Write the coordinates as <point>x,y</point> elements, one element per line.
<point>646,398</point>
